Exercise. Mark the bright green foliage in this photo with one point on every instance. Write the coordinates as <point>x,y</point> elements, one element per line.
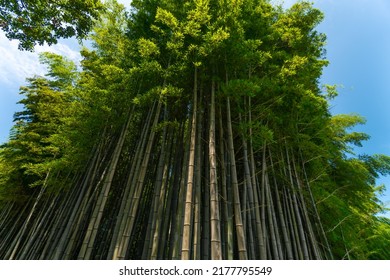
<point>378,240</point>
<point>35,144</point>
<point>340,125</point>
<point>191,120</point>
<point>61,72</point>
<point>32,22</point>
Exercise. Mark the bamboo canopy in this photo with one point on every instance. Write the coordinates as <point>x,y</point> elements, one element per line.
<point>193,131</point>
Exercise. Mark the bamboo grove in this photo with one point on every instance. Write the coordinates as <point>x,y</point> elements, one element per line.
<point>194,130</point>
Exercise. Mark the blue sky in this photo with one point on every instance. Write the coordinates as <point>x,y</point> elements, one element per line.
<point>358,44</point>
<point>15,67</point>
<point>358,48</point>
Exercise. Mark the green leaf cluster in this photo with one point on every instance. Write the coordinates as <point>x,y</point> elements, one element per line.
<point>262,63</point>
<point>37,22</point>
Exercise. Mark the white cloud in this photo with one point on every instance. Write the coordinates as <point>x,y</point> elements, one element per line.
<point>16,65</point>
<point>125,2</point>
<point>61,49</point>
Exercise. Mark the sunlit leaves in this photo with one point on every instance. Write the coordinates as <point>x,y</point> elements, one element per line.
<point>167,18</point>
<point>260,67</point>
<point>292,65</point>
<point>147,48</point>
<point>340,125</point>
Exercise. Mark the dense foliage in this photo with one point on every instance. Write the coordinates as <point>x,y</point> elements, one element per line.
<point>32,22</point>
<point>195,130</point>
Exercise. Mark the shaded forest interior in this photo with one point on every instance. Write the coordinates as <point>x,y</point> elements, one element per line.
<point>193,130</point>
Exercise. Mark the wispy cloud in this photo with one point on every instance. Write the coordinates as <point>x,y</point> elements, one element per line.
<point>125,2</point>
<point>16,65</point>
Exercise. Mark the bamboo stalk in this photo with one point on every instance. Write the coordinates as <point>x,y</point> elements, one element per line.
<point>216,253</point>
<point>241,241</point>
<point>188,209</point>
